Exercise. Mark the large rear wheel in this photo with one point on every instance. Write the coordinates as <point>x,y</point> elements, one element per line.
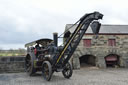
<point>67,71</point>
<point>47,70</point>
<point>29,65</point>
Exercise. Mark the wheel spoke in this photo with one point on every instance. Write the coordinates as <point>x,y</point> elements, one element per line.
<point>67,71</point>
<point>28,69</point>
<point>47,70</point>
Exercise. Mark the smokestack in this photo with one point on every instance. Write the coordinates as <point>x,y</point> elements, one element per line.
<point>55,38</point>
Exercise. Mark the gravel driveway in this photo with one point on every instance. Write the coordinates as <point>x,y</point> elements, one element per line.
<point>84,76</point>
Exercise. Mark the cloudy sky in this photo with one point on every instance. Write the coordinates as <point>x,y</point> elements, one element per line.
<point>22,21</point>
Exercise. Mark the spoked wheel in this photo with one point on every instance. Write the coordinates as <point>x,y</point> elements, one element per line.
<point>47,70</point>
<point>67,71</point>
<point>29,66</point>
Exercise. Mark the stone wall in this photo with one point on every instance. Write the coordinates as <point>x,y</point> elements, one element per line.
<point>100,49</point>
<point>12,64</point>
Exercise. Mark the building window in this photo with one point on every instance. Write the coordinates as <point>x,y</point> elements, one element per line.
<point>112,42</point>
<point>87,42</point>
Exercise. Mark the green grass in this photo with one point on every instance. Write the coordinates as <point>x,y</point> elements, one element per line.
<point>10,54</point>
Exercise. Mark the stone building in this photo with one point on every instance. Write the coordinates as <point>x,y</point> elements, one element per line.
<point>108,49</point>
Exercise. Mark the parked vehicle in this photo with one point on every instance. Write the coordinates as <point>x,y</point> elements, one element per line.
<point>46,56</point>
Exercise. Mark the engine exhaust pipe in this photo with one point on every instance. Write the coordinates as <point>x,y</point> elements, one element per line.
<point>55,38</point>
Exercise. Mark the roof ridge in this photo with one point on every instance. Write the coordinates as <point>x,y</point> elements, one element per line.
<point>109,24</point>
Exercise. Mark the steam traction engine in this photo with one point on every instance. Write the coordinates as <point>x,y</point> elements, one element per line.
<point>44,54</point>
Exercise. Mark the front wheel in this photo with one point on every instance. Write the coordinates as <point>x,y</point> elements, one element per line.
<point>67,71</point>
<point>47,70</point>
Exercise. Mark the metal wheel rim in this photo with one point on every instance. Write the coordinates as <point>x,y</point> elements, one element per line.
<point>45,71</point>
<point>67,69</point>
<point>28,65</point>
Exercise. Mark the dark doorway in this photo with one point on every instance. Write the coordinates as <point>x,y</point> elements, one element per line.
<point>87,60</point>
<point>112,60</point>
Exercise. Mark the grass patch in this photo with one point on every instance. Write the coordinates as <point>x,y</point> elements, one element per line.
<point>10,54</point>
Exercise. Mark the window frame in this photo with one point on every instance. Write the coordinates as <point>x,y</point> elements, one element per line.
<point>112,42</point>
<point>87,42</point>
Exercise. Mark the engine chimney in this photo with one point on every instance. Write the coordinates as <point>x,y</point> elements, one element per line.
<point>55,38</point>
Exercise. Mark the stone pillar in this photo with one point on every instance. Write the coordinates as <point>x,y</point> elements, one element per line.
<point>101,62</point>
<point>124,60</point>
<point>126,63</point>
<point>76,62</point>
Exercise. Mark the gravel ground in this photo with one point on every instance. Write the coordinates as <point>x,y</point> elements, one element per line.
<point>84,76</point>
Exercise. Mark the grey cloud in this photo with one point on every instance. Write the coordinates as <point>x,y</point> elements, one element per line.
<point>38,27</point>
<point>23,21</point>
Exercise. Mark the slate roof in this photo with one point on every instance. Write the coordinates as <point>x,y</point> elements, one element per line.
<point>120,29</point>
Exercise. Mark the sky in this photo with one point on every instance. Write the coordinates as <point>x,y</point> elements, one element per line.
<point>23,21</point>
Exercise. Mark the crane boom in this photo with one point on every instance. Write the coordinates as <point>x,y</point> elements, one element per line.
<point>77,35</point>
